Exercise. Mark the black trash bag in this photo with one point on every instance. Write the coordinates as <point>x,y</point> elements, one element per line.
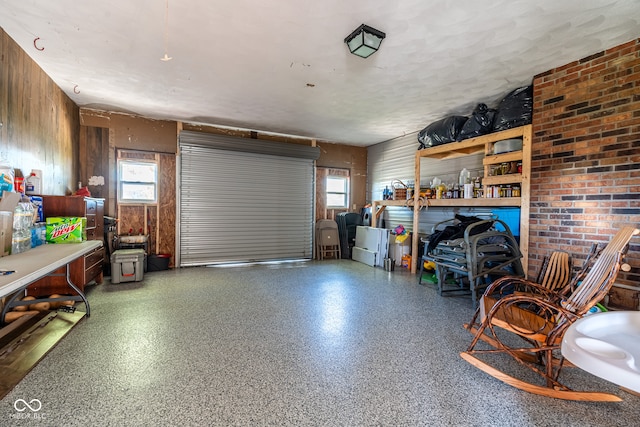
<point>515,109</point>
<point>441,131</point>
<point>480,122</point>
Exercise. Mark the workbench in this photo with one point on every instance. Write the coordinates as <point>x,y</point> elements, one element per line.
<point>37,263</point>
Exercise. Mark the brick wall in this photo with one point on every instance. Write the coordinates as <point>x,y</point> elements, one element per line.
<point>585,178</point>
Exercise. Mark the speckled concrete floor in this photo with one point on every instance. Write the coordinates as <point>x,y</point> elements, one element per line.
<point>332,343</point>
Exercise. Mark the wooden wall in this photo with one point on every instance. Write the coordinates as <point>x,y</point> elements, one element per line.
<point>124,131</point>
<point>93,160</point>
<point>354,159</point>
<point>39,123</point>
<point>322,211</point>
<point>103,135</point>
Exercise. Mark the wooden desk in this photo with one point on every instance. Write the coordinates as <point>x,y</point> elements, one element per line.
<point>38,263</point>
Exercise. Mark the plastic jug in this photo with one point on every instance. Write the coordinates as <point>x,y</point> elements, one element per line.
<point>406,261</point>
<point>33,185</point>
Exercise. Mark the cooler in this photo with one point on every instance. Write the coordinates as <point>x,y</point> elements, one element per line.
<point>127,265</point>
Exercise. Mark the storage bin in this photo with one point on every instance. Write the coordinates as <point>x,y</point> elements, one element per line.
<point>158,262</point>
<point>127,265</point>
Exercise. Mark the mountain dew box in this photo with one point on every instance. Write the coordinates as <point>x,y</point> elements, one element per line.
<point>66,229</point>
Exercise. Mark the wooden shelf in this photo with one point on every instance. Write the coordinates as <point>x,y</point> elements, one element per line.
<point>470,146</point>
<point>390,202</point>
<point>482,144</point>
<point>375,212</point>
<point>511,156</point>
<point>513,178</point>
<point>482,201</point>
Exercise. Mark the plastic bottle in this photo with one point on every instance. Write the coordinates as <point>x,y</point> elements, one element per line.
<point>33,185</point>
<point>410,190</point>
<point>386,193</point>
<point>21,236</point>
<point>465,177</point>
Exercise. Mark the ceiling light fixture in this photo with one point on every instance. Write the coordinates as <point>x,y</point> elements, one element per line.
<point>166,57</point>
<point>364,41</point>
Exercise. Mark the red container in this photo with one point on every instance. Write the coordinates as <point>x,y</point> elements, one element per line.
<point>18,182</point>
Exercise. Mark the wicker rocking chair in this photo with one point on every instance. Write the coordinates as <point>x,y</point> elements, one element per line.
<point>540,317</point>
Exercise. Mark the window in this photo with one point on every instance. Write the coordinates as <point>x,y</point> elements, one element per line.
<point>337,192</point>
<point>137,181</point>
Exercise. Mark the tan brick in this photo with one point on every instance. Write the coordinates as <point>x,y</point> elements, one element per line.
<point>617,118</point>
<point>580,204</point>
<point>573,184</point>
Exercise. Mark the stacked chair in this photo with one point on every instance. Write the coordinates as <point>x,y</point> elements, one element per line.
<point>347,224</point>
<point>470,252</point>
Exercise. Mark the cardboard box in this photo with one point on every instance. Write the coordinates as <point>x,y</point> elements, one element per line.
<point>36,201</point>
<point>66,229</point>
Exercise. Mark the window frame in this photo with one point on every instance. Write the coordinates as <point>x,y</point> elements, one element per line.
<point>120,182</point>
<point>346,180</point>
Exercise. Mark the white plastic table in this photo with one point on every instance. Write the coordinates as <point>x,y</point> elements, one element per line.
<point>39,262</point>
<point>607,345</point>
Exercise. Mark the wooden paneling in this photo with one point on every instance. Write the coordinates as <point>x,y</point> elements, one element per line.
<point>158,221</point>
<point>158,138</point>
<point>322,212</point>
<point>355,160</point>
<point>134,218</point>
<point>134,132</point>
<point>166,232</point>
<point>93,159</point>
<point>243,133</point>
<point>131,219</point>
<point>39,122</point>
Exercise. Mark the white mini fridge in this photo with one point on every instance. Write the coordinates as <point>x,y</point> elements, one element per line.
<point>372,245</point>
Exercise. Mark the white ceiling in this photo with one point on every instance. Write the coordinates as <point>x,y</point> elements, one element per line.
<point>249,64</point>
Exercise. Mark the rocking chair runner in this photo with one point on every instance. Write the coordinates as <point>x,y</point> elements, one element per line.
<point>541,316</point>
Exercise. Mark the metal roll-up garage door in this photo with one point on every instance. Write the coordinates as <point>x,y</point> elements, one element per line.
<point>244,200</point>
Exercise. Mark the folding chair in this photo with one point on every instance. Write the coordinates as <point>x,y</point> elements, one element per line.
<point>327,239</point>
